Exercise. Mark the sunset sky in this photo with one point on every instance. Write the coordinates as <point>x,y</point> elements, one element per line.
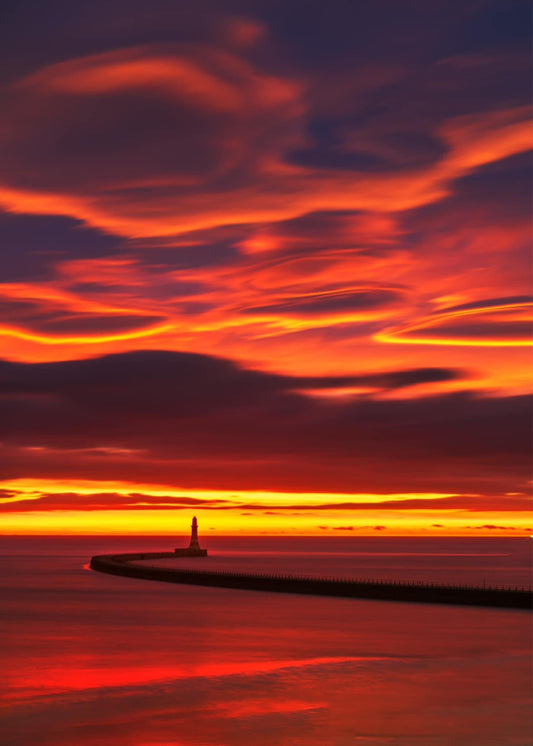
<point>268,263</point>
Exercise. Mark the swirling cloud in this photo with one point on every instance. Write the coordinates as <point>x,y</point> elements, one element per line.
<point>171,139</point>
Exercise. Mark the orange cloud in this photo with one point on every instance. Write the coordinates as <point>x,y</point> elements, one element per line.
<point>48,314</point>
<point>493,324</point>
<point>304,274</point>
<point>483,138</point>
<point>224,119</point>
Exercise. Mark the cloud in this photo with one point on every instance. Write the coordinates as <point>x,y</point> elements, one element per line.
<point>60,322</point>
<point>143,122</point>
<point>494,323</point>
<point>317,231</point>
<point>174,138</point>
<point>492,526</point>
<point>205,421</point>
<point>379,381</point>
<point>49,501</point>
<point>31,245</point>
<point>467,503</point>
<point>20,500</point>
<point>352,528</point>
<point>202,104</point>
<point>358,300</point>
<point>222,194</point>
<point>244,32</point>
<point>54,313</point>
<point>512,301</point>
<point>319,200</point>
<point>184,380</point>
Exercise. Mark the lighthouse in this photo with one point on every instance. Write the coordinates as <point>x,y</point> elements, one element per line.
<point>193,550</point>
<point>194,535</point>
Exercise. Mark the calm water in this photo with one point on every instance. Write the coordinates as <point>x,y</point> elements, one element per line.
<point>95,659</point>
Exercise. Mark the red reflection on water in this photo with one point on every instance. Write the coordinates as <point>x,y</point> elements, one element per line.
<point>69,677</point>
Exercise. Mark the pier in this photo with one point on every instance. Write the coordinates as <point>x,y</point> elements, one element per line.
<point>134,566</point>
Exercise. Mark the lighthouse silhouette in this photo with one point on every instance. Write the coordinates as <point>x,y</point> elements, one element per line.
<point>194,535</point>
<point>193,550</point>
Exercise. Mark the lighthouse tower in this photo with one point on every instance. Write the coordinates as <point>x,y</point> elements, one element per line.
<point>193,550</point>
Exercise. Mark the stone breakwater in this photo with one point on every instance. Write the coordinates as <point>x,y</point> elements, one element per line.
<point>132,566</point>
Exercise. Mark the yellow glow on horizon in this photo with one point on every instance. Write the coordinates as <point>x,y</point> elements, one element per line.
<point>177,522</point>
<point>236,519</point>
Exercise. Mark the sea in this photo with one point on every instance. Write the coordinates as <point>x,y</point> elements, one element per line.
<point>95,660</point>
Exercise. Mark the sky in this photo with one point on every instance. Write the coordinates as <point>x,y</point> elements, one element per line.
<point>268,263</point>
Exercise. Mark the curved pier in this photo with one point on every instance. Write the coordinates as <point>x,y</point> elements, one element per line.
<point>130,565</point>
